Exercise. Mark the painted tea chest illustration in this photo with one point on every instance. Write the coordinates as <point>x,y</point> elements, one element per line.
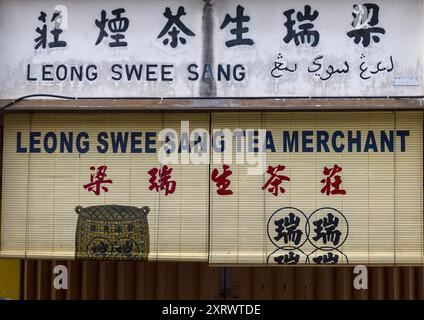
<point>112,232</point>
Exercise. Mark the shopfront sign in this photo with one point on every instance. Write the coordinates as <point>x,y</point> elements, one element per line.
<point>168,49</point>
<point>228,188</point>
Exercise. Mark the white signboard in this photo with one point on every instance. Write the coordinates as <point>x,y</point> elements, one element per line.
<point>193,49</point>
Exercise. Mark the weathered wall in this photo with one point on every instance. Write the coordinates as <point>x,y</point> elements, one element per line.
<point>268,60</point>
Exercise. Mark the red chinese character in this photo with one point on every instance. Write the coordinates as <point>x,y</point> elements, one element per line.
<point>328,183</point>
<point>97,179</point>
<point>275,179</point>
<point>221,181</point>
<point>163,183</point>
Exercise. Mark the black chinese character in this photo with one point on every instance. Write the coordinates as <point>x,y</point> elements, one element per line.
<point>125,248</point>
<point>327,229</point>
<point>305,33</point>
<point>174,22</point>
<point>116,26</point>
<point>329,258</point>
<point>99,249</point>
<point>287,229</point>
<point>365,19</point>
<point>41,40</point>
<point>290,258</point>
<point>239,29</point>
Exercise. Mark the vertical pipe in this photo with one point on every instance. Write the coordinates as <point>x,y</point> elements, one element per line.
<point>208,85</point>
<point>208,89</point>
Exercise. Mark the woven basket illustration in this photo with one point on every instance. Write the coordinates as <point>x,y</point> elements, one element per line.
<point>112,232</point>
